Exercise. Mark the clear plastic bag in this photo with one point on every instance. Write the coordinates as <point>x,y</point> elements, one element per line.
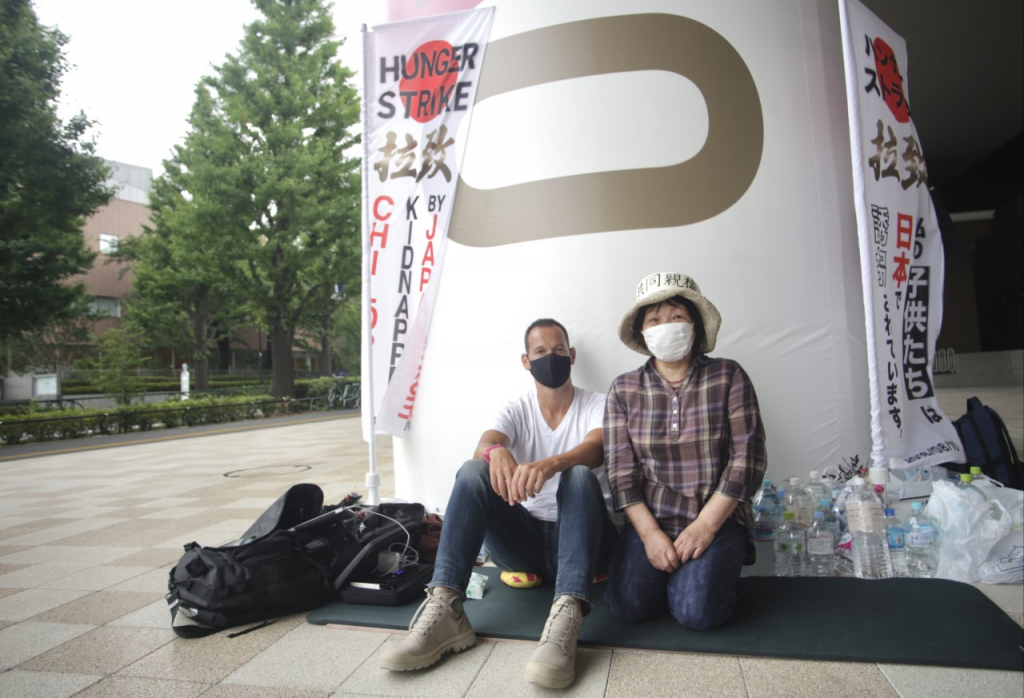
<point>971,527</point>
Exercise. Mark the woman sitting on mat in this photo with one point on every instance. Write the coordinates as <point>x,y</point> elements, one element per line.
<point>684,448</point>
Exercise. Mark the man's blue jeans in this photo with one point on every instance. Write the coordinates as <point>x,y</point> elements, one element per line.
<point>700,595</point>
<point>567,550</point>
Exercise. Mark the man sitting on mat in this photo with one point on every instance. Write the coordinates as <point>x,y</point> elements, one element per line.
<point>536,495</point>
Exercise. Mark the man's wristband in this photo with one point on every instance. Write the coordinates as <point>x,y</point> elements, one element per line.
<point>487,452</point>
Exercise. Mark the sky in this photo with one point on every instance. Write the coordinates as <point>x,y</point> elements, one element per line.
<point>134,64</point>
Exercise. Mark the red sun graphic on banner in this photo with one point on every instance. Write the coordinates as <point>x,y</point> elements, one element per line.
<point>891,81</point>
<point>428,80</point>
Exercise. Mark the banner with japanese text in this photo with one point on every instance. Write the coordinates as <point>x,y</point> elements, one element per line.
<point>902,262</point>
<point>420,82</point>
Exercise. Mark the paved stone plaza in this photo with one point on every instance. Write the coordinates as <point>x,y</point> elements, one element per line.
<point>89,529</point>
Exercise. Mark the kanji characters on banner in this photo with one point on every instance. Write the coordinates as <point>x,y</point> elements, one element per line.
<point>421,78</point>
<point>901,248</point>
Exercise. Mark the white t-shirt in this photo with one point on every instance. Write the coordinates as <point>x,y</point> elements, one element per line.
<point>531,439</point>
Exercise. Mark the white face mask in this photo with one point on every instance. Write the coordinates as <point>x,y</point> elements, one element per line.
<point>670,341</point>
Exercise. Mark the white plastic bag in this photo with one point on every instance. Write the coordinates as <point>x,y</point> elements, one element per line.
<point>971,527</point>
<point>1005,564</point>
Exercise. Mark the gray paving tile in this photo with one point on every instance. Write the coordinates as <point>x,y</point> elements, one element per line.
<point>96,578</point>
<point>36,575</point>
<point>452,676</point>
<point>101,651</point>
<point>6,568</point>
<point>153,615</point>
<point>223,690</point>
<point>504,673</point>
<point>658,674</point>
<point>151,580</point>
<point>67,555</point>
<point>794,678</point>
<point>21,642</point>
<point>102,607</point>
<point>150,557</point>
<point>1009,597</point>
<point>19,684</point>
<point>310,657</point>
<point>29,602</point>
<point>122,686</point>
<point>56,533</point>
<point>208,659</point>
<point>947,682</point>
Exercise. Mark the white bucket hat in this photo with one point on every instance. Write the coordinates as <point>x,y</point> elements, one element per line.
<point>660,287</point>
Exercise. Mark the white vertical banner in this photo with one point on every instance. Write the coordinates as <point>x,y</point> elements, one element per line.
<point>900,248</point>
<point>420,78</point>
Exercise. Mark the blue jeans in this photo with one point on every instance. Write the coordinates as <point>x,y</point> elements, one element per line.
<point>567,550</point>
<point>700,595</point>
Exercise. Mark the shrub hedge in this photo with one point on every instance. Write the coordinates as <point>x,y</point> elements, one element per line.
<point>52,425</point>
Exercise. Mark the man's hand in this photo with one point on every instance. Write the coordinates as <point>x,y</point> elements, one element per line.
<point>503,470</point>
<point>693,541</point>
<point>660,552</point>
<point>529,478</point>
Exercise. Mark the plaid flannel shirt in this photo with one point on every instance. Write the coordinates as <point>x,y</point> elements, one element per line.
<point>674,449</point>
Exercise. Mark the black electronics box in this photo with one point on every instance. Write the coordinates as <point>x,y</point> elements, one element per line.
<point>390,590</point>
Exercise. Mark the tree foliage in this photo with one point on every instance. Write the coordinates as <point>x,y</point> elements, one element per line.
<point>49,179</point>
<point>182,298</point>
<point>120,355</point>
<point>265,171</point>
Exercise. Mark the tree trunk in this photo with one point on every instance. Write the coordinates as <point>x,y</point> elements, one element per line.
<point>223,353</point>
<point>201,356</point>
<point>284,368</point>
<point>325,345</point>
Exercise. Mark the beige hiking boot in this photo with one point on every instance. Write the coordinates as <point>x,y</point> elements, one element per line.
<point>553,664</point>
<point>439,625</point>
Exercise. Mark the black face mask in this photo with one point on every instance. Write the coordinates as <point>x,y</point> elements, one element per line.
<point>551,370</point>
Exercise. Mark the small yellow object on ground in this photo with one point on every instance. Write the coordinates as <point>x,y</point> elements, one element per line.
<point>521,580</point>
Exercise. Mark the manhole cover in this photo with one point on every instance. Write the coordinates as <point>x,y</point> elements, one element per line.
<point>268,470</point>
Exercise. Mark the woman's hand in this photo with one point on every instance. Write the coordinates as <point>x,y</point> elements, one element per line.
<point>660,551</point>
<point>693,541</point>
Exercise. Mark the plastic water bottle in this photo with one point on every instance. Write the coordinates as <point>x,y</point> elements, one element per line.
<point>767,497</point>
<point>897,545</point>
<point>839,503</point>
<point>790,547</point>
<point>966,484</point>
<point>922,537</point>
<point>867,527</point>
<point>831,520</point>
<point>816,488</point>
<point>799,502</point>
<point>821,545</point>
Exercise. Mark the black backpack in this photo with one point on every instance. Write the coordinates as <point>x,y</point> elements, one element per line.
<point>987,444</point>
<point>293,559</point>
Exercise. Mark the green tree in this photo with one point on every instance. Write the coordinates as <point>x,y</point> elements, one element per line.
<point>120,355</point>
<point>182,298</point>
<point>267,172</point>
<point>50,179</point>
<point>58,345</point>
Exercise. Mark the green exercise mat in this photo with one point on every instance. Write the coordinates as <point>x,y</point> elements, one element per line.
<point>896,621</point>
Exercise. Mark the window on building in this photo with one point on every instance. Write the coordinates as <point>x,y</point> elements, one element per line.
<point>108,243</point>
<point>105,306</point>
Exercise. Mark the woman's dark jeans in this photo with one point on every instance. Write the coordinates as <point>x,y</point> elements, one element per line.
<point>700,595</point>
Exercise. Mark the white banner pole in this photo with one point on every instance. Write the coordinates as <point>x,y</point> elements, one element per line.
<point>368,402</point>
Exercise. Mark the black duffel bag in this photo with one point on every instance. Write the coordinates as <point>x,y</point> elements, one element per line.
<point>293,559</point>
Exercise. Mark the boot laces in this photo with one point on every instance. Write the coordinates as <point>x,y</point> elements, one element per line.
<point>561,623</point>
<point>429,612</point>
